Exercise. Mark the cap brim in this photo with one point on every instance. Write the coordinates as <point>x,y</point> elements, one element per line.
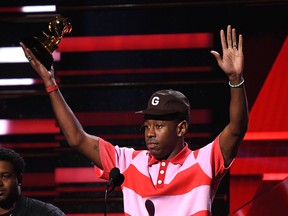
<point>154,112</point>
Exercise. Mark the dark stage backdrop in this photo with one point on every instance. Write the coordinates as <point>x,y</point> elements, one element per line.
<point>117,55</point>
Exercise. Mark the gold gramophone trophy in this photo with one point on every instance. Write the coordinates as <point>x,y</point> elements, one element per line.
<point>44,44</point>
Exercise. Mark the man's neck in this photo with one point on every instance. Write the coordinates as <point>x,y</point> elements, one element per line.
<point>6,209</point>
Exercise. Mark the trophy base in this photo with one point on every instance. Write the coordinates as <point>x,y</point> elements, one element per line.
<point>39,51</point>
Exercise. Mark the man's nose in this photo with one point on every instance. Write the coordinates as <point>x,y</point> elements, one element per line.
<point>151,132</point>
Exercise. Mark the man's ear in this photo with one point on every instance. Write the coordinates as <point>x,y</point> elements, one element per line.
<point>20,179</point>
<point>182,128</point>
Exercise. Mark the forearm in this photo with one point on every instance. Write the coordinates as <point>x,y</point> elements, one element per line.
<point>233,134</point>
<point>72,129</point>
<point>238,111</point>
<point>66,119</point>
<point>70,126</point>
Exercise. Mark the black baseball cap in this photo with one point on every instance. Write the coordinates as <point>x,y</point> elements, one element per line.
<point>167,103</point>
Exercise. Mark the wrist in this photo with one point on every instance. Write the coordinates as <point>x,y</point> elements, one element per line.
<point>52,88</point>
<point>50,82</point>
<point>236,83</point>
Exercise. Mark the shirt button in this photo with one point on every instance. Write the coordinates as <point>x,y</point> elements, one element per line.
<point>159,181</point>
<point>161,171</point>
<point>163,164</point>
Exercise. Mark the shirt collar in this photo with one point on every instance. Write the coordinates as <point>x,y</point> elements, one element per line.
<point>177,159</point>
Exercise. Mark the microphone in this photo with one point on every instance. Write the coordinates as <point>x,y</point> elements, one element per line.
<point>115,179</point>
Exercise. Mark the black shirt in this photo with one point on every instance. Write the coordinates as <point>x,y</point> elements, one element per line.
<point>31,207</point>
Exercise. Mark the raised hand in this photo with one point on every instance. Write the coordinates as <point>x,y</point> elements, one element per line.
<point>232,59</point>
<point>44,74</point>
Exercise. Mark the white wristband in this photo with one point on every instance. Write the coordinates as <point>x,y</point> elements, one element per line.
<point>237,85</point>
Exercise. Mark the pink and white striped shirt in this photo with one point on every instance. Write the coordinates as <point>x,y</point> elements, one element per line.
<point>184,185</point>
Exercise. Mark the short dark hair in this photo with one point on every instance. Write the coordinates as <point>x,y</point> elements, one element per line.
<point>14,158</point>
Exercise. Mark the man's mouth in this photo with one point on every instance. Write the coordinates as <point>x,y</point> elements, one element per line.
<point>151,145</point>
<point>2,192</point>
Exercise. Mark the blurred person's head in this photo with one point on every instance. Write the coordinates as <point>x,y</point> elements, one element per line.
<point>12,166</point>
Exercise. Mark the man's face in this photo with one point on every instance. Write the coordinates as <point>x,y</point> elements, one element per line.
<point>161,138</point>
<point>9,189</point>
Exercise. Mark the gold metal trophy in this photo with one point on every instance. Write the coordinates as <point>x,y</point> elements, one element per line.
<point>45,44</point>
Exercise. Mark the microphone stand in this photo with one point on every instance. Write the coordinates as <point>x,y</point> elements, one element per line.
<point>116,179</point>
<point>107,193</point>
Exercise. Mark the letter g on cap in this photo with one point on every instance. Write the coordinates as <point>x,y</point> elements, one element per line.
<point>155,100</point>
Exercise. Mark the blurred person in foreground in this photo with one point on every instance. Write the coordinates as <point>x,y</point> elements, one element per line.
<point>168,178</point>
<point>12,201</point>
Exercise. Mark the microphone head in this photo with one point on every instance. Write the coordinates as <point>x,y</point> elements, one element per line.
<point>114,172</point>
<point>119,179</point>
<point>116,177</point>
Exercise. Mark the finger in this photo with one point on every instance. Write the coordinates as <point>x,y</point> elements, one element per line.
<point>223,39</point>
<point>29,55</point>
<point>22,45</point>
<point>24,48</point>
<point>234,38</point>
<point>229,37</point>
<point>28,51</point>
<point>240,42</point>
<point>216,55</point>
